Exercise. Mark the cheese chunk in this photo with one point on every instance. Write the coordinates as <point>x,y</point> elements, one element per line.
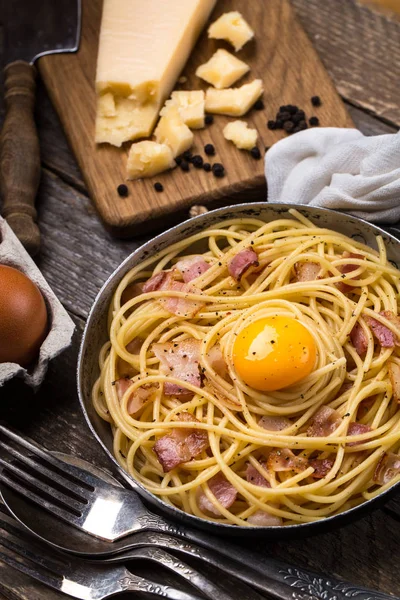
<point>190,105</point>
<point>222,69</point>
<point>129,122</point>
<point>240,134</point>
<point>148,158</point>
<point>171,130</point>
<point>233,102</point>
<point>143,47</point>
<point>106,106</point>
<point>233,28</point>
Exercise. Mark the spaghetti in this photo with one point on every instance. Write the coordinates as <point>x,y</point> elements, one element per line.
<point>191,429</point>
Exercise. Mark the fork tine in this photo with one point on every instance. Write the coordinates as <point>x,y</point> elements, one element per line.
<point>69,517</point>
<point>68,502</point>
<point>63,468</point>
<point>71,487</point>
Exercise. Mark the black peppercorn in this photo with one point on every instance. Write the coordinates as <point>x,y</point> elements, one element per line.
<point>259,105</point>
<point>178,160</point>
<point>316,101</point>
<point>278,124</point>
<point>283,116</point>
<point>187,155</point>
<point>209,149</point>
<point>209,120</point>
<point>218,170</point>
<point>207,166</point>
<point>184,165</point>
<point>158,187</point>
<point>288,126</point>
<point>255,153</point>
<point>122,190</point>
<point>314,121</point>
<point>271,125</point>
<point>197,161</point>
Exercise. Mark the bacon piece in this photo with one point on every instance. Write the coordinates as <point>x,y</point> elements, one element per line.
<point>180,360</point>
<point>218,362</point>
<point>283,459</point>
<point>390,316</point>
<point>348,268</point>
<point>357,429</point>
<point>394,376</point>
<point>383,334</point>
<point>131,291</point>
<point>181,445</point>
<point>156,281</point>
<point>183,307</point>
<point>260,518</point>
<point>274,422</point>
<point>135,345</point>
<point>387,468</point>
<point>139,398</point>
<point>359,339</point>
<point>223,491</point>
<point>192,267</point>
<point>324,422</point>
<point>307,271</point>
<point>321,467</point>
<point>253,476</point>
<point>241,262</point>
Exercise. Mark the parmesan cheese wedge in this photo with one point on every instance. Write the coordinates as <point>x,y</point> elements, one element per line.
<point>222,70</point>
<point>233,102</point>
<point>143,47</point>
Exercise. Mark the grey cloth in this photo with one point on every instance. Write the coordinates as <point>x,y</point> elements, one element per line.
<point>340,169</point>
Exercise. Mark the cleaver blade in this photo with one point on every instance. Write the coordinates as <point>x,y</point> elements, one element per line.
<point>32,28</point>
<point>35,28</point>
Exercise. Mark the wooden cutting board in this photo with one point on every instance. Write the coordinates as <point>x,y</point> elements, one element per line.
<point>281,55</point>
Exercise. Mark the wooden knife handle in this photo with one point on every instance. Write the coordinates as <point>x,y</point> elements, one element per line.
<point>20,154</point>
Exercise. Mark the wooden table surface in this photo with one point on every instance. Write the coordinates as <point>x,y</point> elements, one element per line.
<point>361,50</point>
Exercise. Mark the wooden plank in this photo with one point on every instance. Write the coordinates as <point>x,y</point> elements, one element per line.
<point>360,49</point>
<point>280,54</point>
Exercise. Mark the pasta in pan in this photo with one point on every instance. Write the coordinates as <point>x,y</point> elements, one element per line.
<point>258,381</point>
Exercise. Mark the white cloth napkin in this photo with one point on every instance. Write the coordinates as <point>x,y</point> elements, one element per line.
<point>340,169</point>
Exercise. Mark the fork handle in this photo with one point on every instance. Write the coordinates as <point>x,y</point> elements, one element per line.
<point>132,583</point>
<point>269,576</point>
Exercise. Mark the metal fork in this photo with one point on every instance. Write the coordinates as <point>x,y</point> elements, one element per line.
<point>82,499</point>
<point>70,575</point>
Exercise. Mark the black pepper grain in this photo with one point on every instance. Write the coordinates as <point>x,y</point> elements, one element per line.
<point>209,149</point>
<point>207,166</point>
<point>255,153</point>
<point>218,170</point>
<point>158,186</point>
<point>178,160</point>
<point>278,124</point>
<point>271,124</point>
<point>314,121</point>
<point>316,101</point>
<point>209,120</point>
<point>122,190</point>
<point>259,105</point>
<point>197,161</point>
<point>184,165</point>
<point>283,116</point>
<point>187,155</point>
<point>288,126</point>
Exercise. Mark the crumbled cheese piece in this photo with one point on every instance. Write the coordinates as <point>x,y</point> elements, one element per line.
<point>222,70</point>
<point>129,122</point>
<point>106,105</point>
<point>240,134</point>
<point>233,102</point>
<point>190,105</point>
<point>148,158</point>
<point>171,130</point>
<point>231,27</point>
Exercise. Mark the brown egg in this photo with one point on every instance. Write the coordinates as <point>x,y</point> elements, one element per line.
<point>23,317</point>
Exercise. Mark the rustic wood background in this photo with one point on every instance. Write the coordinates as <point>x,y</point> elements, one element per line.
<point>361,50</point>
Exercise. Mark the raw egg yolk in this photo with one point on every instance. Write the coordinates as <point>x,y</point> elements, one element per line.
<point>274,353</point>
